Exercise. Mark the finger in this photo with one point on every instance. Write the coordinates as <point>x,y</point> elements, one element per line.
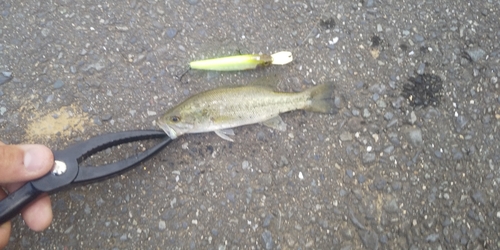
<point>24,162</point>
<point>4,228</point>
<point>38,214</point>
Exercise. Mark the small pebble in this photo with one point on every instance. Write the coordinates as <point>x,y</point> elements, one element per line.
<point>478,197</point>
<point>396,185</point>
<point>415,136</point>
<point>413,117</point>
<point>58,84</point>
<point>171,32</point>
<point>261,136</point>
<point>5,77</point>
<point>461,121</point>
<point>381,104</point>
<point>245,165</point>
<point>45,32</point>
<point>361,179</point>
<point>267,220</point>
<point>418,38</point>
<point>49,98</point>
<point>268,239</point>
<point>388,116</point>
<point>389,149</point>
<point>368,157</point>
<point>421,68</point>
<point>391,206</point>
<point>97,121</point>
<point>475,54</point>
<point>349,173</point>
<point>106,117</point>
<point>369,239</point>
<point>366,113</point>
<point>123,237</point>
<point>432,237</point>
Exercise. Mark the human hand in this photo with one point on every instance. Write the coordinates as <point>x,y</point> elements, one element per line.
<point>19,164</point>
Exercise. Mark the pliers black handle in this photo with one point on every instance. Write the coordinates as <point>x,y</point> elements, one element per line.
<point>66,170</point>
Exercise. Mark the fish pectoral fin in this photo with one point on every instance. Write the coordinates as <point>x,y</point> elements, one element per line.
<point>275,123</point>
<point>223,133</point>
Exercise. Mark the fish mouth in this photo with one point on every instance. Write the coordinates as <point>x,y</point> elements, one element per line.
<point>169,130</point>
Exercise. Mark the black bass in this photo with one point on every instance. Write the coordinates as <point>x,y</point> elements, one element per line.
<point>221,109</point>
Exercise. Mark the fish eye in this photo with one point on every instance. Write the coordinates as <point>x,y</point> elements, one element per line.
<point>175,118</point>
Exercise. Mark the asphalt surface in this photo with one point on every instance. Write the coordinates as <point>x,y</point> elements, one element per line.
<point>411,161</point>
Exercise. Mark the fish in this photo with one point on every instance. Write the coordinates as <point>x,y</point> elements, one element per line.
<point>221,109</point>
<point>242,62</point>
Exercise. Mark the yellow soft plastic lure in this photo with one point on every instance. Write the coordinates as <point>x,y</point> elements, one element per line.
<point>242,62</point>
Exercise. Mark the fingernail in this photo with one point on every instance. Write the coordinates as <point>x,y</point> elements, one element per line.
<point>30,162</point>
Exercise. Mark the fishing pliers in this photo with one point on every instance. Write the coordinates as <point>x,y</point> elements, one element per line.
<point>66,170</point>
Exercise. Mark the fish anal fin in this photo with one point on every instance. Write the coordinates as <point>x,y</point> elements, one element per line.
<point>275,123</point>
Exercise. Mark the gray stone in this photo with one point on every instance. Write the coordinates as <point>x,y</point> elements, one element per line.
<point>391,206</point>
<point>171,32</point>
<point>58,84</point>
<point>349,173</point>
<point>370,239</point>
<point>268,240</point>
<point>162,225</point>
<point>419,38</point>
<point>478,197</point>
<point>369,157</point>
<point>245,165</point>
<point>421,68</point>
<point>415,136</point>
<point>345,136</point>
<point>388,116</point>
<point>432,237</point>
<point>475,54</point>
<point>106,117</point>
<point>5,77</point>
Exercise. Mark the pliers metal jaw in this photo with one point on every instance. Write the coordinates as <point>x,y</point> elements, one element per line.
<point>66,170</point>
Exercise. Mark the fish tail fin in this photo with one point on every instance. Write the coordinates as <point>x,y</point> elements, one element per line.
<point>321,99</point>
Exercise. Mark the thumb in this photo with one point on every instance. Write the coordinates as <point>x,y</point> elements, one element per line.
<point>19,163</point>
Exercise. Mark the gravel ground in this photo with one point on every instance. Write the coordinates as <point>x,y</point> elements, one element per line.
<point>411,161</point>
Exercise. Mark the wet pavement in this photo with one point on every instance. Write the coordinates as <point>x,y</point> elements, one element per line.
<point>411,161</point>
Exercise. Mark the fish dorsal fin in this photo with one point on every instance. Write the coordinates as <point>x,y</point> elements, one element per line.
<point>270,81</point>
<point>223,133</point>
<point>275,123</point>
